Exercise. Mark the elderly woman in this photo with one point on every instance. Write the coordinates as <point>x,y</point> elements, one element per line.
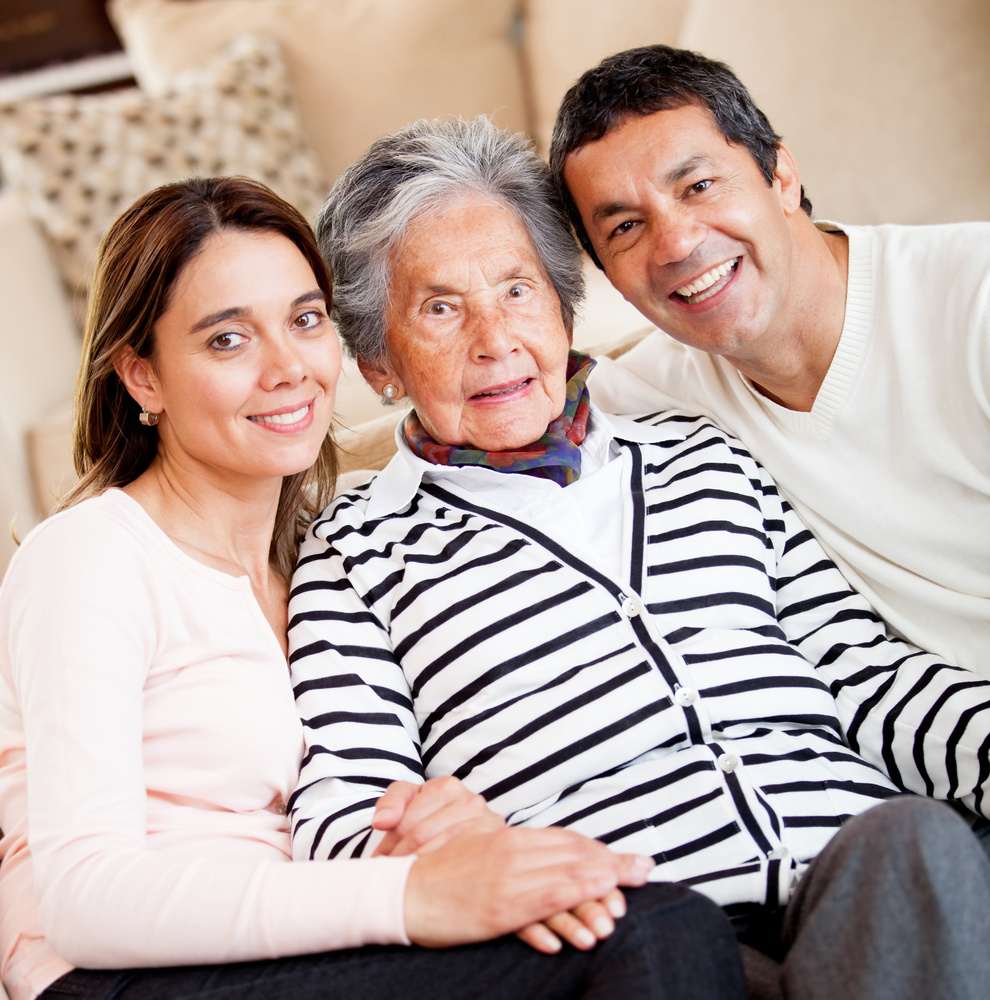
<point>613,626</point>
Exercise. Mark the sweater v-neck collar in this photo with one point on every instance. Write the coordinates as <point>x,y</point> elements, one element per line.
<point>853,343</point>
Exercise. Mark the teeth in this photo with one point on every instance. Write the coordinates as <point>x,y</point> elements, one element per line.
<point>706,280</point>
<point>282,418</point>
<point>500,392</point>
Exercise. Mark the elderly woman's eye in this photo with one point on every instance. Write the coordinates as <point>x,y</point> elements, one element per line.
<point>438,308</point>
<point>518,291</point>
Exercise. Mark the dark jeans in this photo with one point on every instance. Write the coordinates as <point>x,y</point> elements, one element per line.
<point>673,944</point>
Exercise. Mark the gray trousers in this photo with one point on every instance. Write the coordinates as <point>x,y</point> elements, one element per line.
<point>896,907</point>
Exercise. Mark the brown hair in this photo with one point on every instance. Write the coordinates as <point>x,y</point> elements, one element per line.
<point>140,258</point>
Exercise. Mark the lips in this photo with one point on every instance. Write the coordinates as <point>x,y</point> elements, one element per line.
<point>502,390</point>
<point>709,284</point>
<point>283,417</point>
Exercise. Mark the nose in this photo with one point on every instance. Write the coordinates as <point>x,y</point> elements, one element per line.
<point>283,364</point>
<point>492,333</point>
<point>676,234</point>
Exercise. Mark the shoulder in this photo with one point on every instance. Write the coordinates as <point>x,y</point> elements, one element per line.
<point>103,542</point>
<point>671,428</point>
<point>83,530</point>
<point>953,249</point>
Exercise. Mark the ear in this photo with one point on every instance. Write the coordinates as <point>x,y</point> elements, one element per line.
<point>139,380</point>
<point>786,174</point>
<point>378,377</point>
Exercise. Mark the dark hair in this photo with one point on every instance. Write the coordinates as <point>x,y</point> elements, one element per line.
<point>417,171</point>
<point>140,259</point>
<point>650,79</point>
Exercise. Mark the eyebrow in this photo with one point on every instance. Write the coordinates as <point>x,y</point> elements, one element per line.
<point>513,270</point>
<point>676,173</point>
<point>222,315</point>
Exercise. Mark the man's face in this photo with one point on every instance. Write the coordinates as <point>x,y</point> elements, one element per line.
<point>689,230</point>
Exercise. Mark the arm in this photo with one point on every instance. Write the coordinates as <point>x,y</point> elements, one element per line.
<point>361,734</point>
<point>357,710</point>
<point>923,722</point>
<point>77,612</point>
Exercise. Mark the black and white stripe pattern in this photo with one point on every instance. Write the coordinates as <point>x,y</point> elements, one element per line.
<point>713,711</point>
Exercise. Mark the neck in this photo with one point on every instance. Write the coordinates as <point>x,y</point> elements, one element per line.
<point>225,525</point>
<point>791,371</point>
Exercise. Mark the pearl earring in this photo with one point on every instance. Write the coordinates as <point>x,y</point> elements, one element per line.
<point>390,391</point>
<point>148,419</point>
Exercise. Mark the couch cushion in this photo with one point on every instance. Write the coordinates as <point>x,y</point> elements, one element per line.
<point>563,38</point>
<point>886,107</point>
<point>361,70</point>
<point>78,161</point>
<point>39,356</point>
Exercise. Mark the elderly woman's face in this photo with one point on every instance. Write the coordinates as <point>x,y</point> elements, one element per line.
<point>475,334</point>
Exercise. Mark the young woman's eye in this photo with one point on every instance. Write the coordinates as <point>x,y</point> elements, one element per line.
<point>227,341</point>
<point>310,318</point>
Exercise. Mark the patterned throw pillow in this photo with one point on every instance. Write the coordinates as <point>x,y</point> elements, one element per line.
<point>77,161</point>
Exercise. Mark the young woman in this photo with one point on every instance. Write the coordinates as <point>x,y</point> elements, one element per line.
<point>148,735</point>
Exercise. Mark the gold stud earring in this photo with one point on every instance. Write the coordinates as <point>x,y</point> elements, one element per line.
<point>390,391</point>
<point>148,419</point>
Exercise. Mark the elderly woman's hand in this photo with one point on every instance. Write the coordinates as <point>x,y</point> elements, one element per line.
<point>480,886</point>
<point>422,818</point>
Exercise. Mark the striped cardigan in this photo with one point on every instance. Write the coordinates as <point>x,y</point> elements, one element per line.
<point>724,709</point>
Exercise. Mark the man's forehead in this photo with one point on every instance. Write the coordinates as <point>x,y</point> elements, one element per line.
<point>657,128</point>
<point>672,143</point>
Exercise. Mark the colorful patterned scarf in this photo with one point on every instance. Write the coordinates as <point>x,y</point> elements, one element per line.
<point>556,455</point>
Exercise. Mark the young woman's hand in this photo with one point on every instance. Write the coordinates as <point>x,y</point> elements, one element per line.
<point>479,886</point>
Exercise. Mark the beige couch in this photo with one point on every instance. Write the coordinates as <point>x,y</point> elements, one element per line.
<point>884,105</point>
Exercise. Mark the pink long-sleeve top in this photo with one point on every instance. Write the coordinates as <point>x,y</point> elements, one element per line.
<point>149,741</point>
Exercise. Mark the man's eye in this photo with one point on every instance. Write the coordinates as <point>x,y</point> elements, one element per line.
<point>701,185</point>
<point>623,227</point>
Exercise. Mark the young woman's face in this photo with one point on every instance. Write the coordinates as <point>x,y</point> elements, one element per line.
<point>246,361</point>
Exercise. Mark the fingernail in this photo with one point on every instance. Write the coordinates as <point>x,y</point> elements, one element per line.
<point>617,906</point>
<point>602,927</point>
<point>644,863</point>
<point>585,938</point>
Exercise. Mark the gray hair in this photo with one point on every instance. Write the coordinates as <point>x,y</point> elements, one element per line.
<point>414,173</point>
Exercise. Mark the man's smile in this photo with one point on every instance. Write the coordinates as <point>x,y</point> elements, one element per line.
<point>708,284</point>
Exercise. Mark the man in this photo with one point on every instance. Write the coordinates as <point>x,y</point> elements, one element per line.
<point>854,362</point>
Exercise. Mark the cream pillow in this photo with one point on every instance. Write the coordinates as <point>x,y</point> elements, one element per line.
<point>563,38</point>
<point>76,162</point>
<point>361,70</point>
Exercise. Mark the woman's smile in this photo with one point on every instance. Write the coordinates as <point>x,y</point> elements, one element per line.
<point>286,420</point>
<point>501,393</point>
